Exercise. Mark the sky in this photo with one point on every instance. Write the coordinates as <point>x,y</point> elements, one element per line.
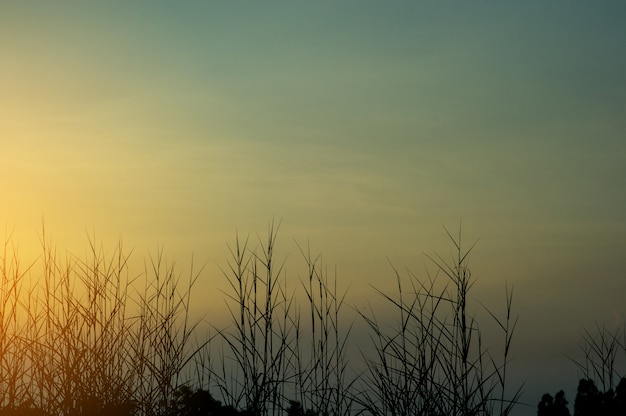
<point>364,126</point>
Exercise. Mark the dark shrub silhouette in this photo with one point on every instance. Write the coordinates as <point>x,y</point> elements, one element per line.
<point>560,405</point>
<point>95,406</point>
<point>197,403</point>
<point>546,405</point>
<point>620,397</point>
<point>296,409</point>
<point>22,411</point>
<point>589,400</point>
<point>549,406</point>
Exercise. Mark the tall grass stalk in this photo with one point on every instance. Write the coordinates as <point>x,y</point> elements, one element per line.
<point>602,360</point>
<point>277,355</point>
<point>163,332</point>
<point>87,335</point>
<point>13,363</point>
<point>260,344</point>
<point>433,361</point>
<point>322,381</point>
<point>77,338</point>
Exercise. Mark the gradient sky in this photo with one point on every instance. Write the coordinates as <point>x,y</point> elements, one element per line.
<point>364,125</point>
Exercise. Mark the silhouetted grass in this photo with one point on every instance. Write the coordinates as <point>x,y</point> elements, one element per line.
<point>261,340</point>
<point>82,339</point>
<point>323,384</point>
<point>432,362</point>
<point>603,356</point>
<point>87,335</point>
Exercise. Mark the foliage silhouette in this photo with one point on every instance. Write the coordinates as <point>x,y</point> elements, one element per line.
<point>197,403</point>
<point>599,366</point>
<point>549,406</point>
<point>620,397</point>
<point>560,405</point>
<point>591,401</point>
<point>296,409</point>
<point>22,411</point>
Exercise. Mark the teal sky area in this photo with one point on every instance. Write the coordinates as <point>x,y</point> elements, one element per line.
<point>364,125</point>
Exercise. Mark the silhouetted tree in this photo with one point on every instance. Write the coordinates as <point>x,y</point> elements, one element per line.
<point>620,397</point>
<point>228,411</point>
<point>545,406</point>
<point>126,408</point>
<point>196,403</point>
<point>296,409</point>
<point>588,399</point>
<point>560,405</point>
<point>549,406</point>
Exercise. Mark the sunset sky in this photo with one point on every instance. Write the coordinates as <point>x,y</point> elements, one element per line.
<point>366,126</point>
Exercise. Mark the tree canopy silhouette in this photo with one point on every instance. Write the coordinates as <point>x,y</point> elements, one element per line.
<point>549,406</point>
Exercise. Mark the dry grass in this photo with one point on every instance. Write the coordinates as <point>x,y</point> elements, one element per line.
<point>432,362</point>
<point>81,340</point>
<point>87,335</point>
<point>603,358</point>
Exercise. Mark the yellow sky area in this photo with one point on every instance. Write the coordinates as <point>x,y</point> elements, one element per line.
<point>125,179</point>
<point>130,167</point>
<point>186,195</point>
